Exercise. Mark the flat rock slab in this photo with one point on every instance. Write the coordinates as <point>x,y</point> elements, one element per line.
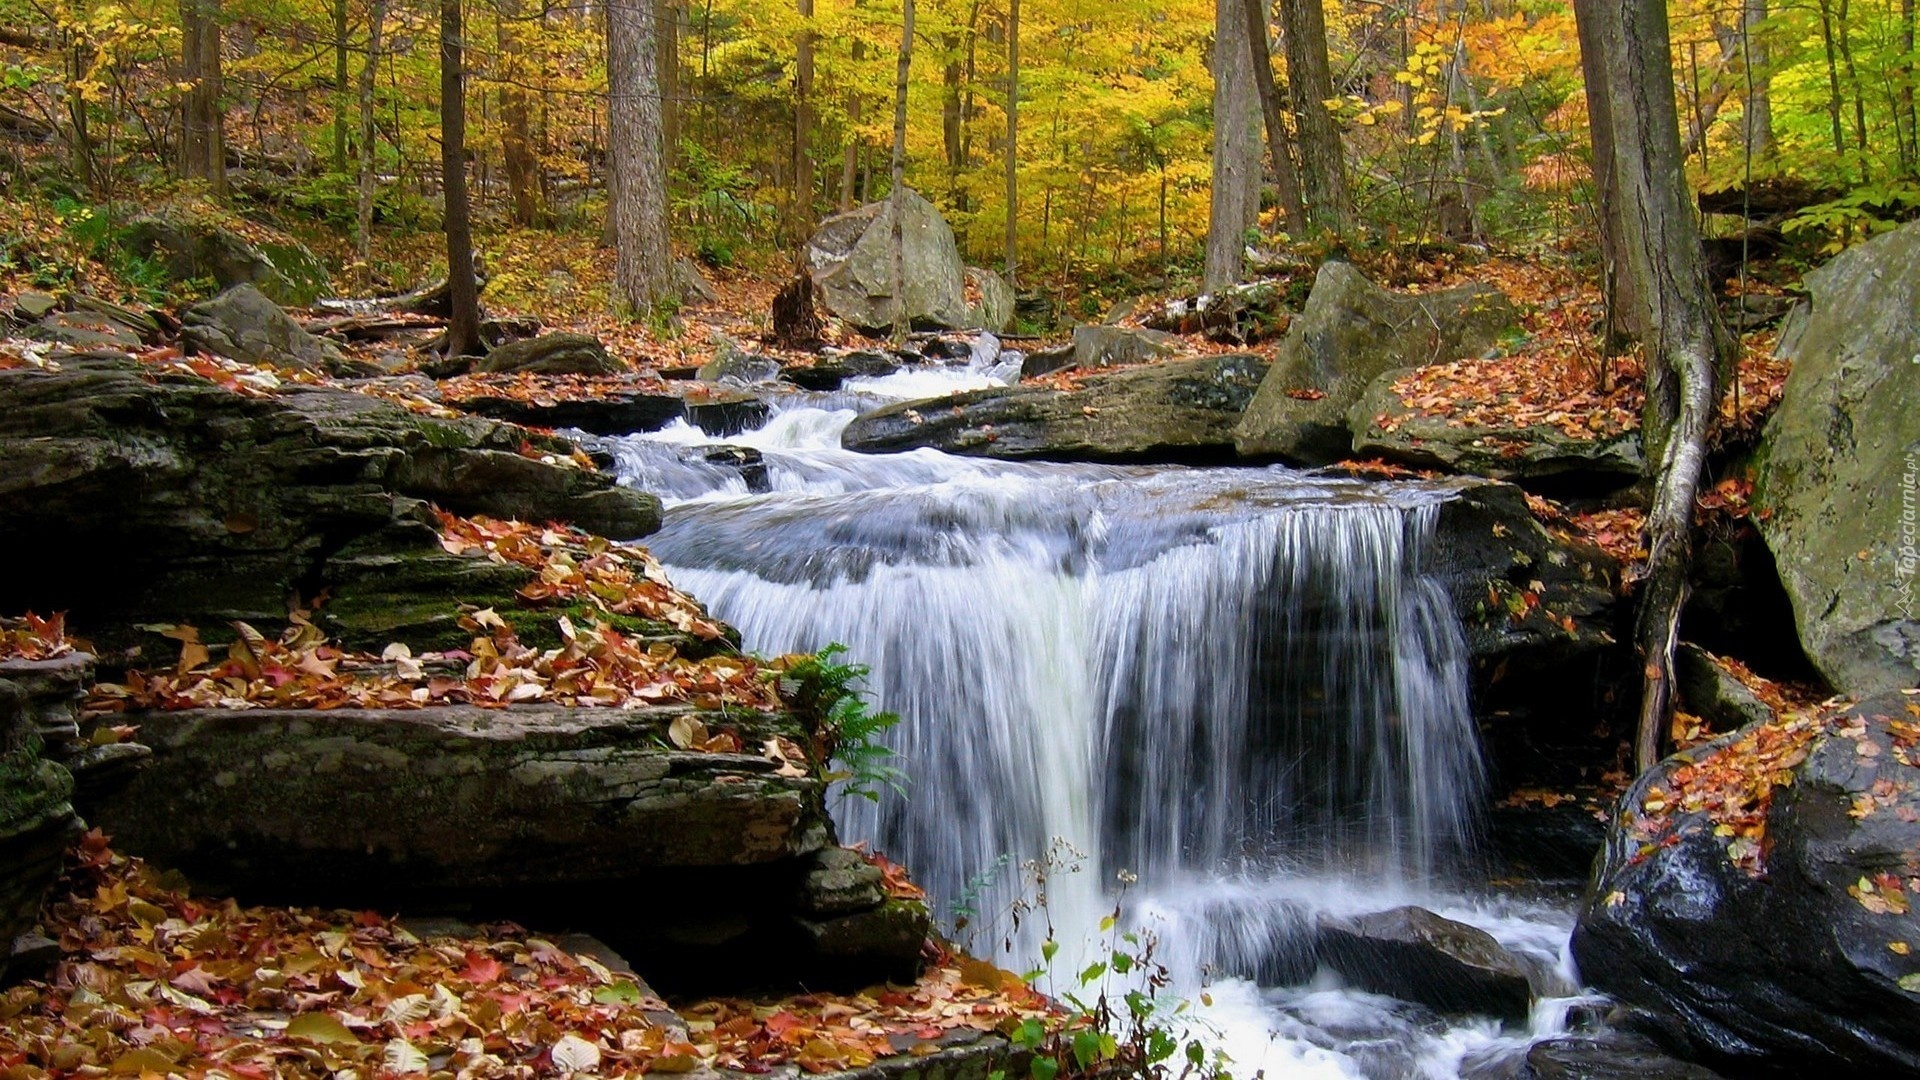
<point>353,803</point>
<point>1181,410</point>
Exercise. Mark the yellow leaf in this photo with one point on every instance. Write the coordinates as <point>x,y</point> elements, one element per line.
<point>323,1028</point>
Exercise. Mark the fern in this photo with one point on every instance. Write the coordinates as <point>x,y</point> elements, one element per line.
<point>831,692</point>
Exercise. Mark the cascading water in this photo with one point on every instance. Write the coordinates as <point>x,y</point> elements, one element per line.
<point>1232,692</point>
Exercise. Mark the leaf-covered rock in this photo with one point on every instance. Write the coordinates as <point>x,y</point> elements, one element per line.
<point>1756,896</point>
<point>1349,333</point>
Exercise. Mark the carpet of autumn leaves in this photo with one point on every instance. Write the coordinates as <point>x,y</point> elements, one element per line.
<point>155,981</point>
<point>595,665</point>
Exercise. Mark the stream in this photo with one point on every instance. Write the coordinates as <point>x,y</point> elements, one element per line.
<point>1216,703</point>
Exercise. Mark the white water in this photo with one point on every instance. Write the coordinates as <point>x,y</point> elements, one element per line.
<point>1220,701</point>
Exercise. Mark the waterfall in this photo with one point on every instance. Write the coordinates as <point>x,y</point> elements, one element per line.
<point>1219,700</point>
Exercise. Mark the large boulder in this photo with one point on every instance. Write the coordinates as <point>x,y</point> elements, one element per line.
<point>243,324</point>
<point>1414,954</point>
<point>849,258</point>
<point>1350,333</point>
<point>187,502</point>
<point>1177,411</point>
<point>1838,490</point>
<point>191,249</point>
<point>360,805</point>
<point>1385,426</point>
<point>1756,897</point>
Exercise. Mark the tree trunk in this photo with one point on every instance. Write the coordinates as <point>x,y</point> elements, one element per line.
<point>516,135</point>
<point>340,87</point>
<point>1622,319</point>
<point>203,154</point>
<point>643,267</point>
<point>1686,343</point>
<point>801,219</point>
<point>852,152</point>
<point>666,28</point>
<point>1323,164</point>
<point>1286,176</point>
<point>896,195</point>
<point>369,160</point>
<point>1013,138</point>
<point>1236,150</point>
<point>952,129</point>
<point>463,325</point>
<point>1907,75</point>
<point>1759,78</point>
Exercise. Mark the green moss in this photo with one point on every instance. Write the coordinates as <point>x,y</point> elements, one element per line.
<point>30,786</point>
<point>445,436</point>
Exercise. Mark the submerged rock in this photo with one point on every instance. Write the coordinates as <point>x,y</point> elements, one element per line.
<point>619,412</point>
<point>1179,411</point>
<point>1837,494</point>
<point>1350,332</point>
<point>1413,954</point>
<point>1811,965</point>
<point>829,371</point>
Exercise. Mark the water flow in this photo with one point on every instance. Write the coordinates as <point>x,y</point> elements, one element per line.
<point>1225,700</point>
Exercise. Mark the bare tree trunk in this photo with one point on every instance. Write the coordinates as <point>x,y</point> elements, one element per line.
<point>340,87</point>
<point>1236,150</point>
<point>896,195</point>
<point>203,154</point>
<point>1323,163</point>
<point>642,268</point>
<point>1013,139</point>
<point>1759,77</point>
<point>853,151</point>
<point>1623,316</point>
<point>952,130</point>
<point>666,28</point>
<point>463,292</point>
<point>1906,95</point>
<point>369,160</point>
<point>801,219</point>
<point>516,136</point>
<point>1286,175</point>
<point>1687,342</point>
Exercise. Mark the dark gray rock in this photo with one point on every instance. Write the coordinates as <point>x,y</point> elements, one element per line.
<point>1607,1056</point>
<point>694,286</point>
<point>1413,954</point>
<point>620,412</point>
<point>1349,333</point>
<point>849,258</point>
<point>559,353</point>
<point>1786,973</point>
<point>88,322</point>
<point>243,324</point>
<point>37,819</point>
<point>722,411</point>
<point>1047,361</point>
<point>1178,411</point>
<point>1712,693</point>
<point>829,371</point>
<point>1836,492</point>
<point>1384,426</point>
<point>840,882</point>
<point>190,503</point>
<point>736,366</point>
<point>378,803</point>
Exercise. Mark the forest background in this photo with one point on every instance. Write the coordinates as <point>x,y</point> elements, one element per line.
<point>1460,119</point>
